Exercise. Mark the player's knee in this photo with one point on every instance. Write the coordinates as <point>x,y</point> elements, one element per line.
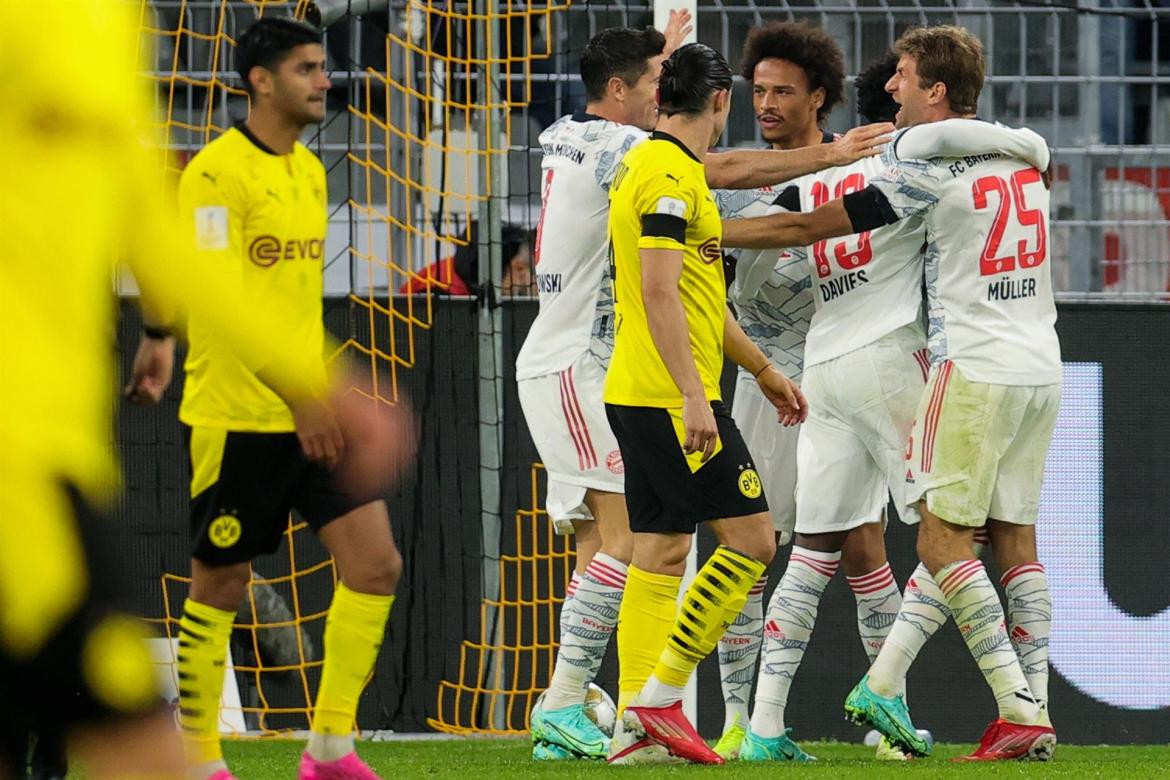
<point>222,587</point>
<point>378,572</point>
<point>933,555</point>
<point>620,548</point>
<point>761,546</point>
<point>861,556</point>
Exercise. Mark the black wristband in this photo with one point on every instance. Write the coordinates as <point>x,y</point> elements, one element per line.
<point>156,332</point>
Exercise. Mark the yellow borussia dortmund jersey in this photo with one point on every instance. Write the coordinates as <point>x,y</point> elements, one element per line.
<point>262,216</point>
<point>81,190</point>
<point>660,200</point>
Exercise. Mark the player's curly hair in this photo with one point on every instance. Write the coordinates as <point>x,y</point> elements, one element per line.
<point>873,102</point>
<point>810,48</point>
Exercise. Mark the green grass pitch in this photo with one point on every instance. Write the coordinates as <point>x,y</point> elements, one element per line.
<point>499,759</point>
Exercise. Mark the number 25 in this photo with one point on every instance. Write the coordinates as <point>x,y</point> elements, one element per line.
<point>990,262</point>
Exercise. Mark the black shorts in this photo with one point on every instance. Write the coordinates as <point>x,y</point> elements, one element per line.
<point>248,484</point>
<point>663,495</point>
<point>94,667</point>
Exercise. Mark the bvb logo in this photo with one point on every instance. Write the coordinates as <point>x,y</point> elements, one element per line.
<point>749,483</point>
<point>224,531</point>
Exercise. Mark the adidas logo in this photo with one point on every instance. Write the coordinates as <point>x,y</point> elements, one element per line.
<point>910,476</point>
<point>772,630</point>
<point>1020,634</point>
<point>913,585</point>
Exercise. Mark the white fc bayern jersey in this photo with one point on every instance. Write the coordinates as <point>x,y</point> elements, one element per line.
<point>771,291</point>
<point>581,153</point>
<point>987,271</point>
<point>867,285</point>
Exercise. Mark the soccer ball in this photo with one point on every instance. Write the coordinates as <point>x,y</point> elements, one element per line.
<point>598,706</point>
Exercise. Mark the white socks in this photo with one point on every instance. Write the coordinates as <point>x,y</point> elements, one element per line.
<point>878,602</point>
<point>924,610</point>
<point>1029,614</point>
<point>739,651</point>
<point>975,606</point>
<point>588,618</point>
<point>788,625</point>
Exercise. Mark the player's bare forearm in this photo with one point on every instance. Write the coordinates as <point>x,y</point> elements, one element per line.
<point>739,348</point>
<point>785,229</point>
<point>667,319</point>
<point>774,231</point>
<point>747,168</point>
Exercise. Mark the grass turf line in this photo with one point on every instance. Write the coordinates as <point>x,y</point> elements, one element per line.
<point>262,760</point>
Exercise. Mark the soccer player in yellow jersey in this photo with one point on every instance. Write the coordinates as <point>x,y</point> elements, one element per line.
<point>686,462</point>
<point>74,114</point>
<point>256,200</point>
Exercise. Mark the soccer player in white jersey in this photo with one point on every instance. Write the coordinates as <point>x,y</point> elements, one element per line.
<point>797,74</point>
<point>983,426</point>
<point>865,365</point>
<point>561,367</point>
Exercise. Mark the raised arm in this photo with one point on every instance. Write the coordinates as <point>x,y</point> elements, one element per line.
<point>746,168</point>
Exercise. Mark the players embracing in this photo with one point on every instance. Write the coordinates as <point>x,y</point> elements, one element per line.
<point>561,367</point>
<point>982,427</point>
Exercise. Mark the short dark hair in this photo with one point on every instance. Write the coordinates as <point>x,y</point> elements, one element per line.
<point>948,54</point>
<point>268,42</point>
<point>619,51</point>
<point>873,102</point>
<point>689,77</point>
<point>809,48</point>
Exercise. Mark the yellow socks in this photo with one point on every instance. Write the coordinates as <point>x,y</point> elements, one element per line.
<point>709,606</point>
<point>644,620</point>
<point>203,639</point>
<point>354,631</point>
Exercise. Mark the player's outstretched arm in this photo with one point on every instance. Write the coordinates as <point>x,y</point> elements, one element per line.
<point>781,392</point>
<point>746,168</point>
<point>667,320</point>
<point>784,229</point>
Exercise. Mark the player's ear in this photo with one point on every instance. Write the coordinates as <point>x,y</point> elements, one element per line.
<point>616,86</point>
<point>818,97</point>
<point>937,92</point>
<point>261,80</point>
<point>720,100</point>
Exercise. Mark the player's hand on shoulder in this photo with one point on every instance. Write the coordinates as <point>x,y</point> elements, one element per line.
<point>699,423</point>
<point>784,394</point>
<point>150,374</point>
<point>864,141</point>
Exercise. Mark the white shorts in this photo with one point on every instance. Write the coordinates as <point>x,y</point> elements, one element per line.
<point>851,458</point>
<point>566,417</point>
<point>977,450</point>
<point>773,448</point>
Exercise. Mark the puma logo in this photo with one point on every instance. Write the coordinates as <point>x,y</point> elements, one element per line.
<point>209,177</point>
<point>676,179</point>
